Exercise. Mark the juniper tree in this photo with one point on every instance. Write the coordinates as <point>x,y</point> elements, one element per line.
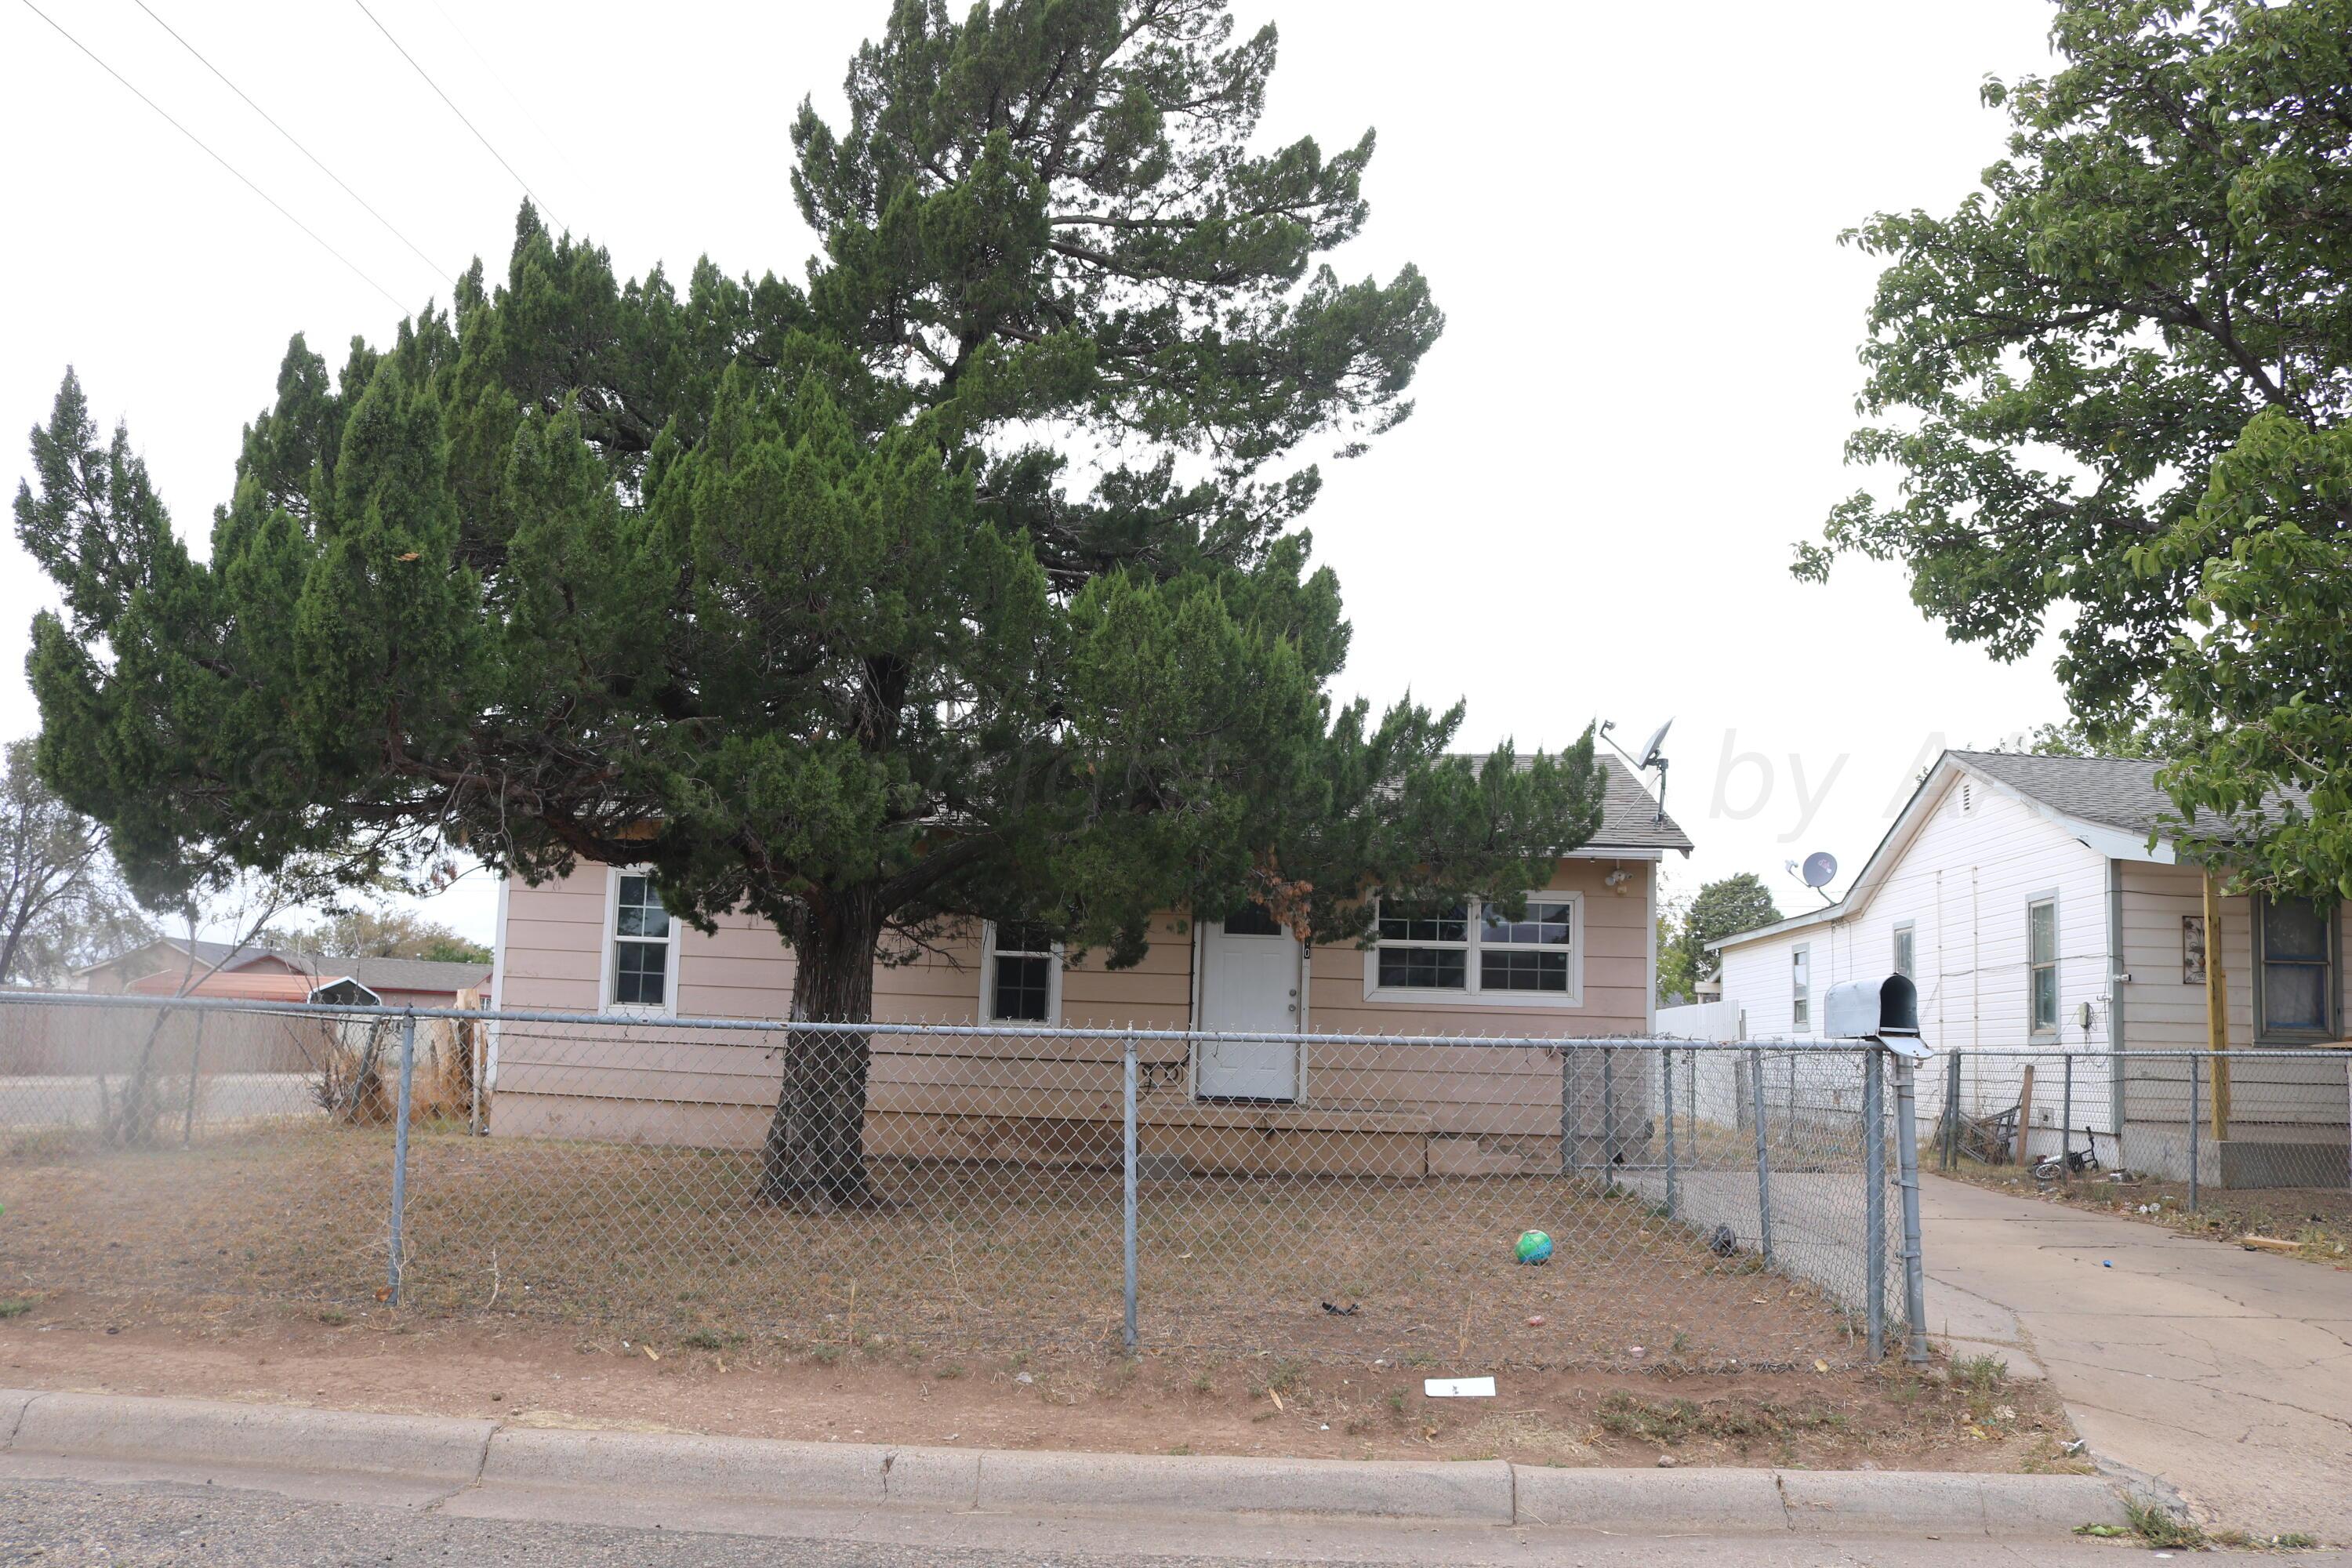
<point>962,582</point>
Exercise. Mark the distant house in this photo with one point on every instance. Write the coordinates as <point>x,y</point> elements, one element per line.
<point>283,975</point>
<point>2039,901</point>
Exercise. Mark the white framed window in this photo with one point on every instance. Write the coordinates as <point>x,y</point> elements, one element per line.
<point>640,945</point>
<point>2041,967</point>
<point>1906,950</point>
<point>1471,953</point>
<point>1801,989</point>
<point>1020,974</point>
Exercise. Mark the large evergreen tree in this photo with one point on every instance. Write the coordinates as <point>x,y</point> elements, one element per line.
<point>960,583</point>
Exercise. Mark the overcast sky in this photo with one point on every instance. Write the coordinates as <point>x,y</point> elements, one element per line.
<point>1628,213</point>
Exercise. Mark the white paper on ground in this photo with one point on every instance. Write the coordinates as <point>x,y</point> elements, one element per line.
<point>1458,1387</point>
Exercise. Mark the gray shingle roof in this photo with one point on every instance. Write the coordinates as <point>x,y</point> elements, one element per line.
<point>1629,817</point>
<point>2114,792</point>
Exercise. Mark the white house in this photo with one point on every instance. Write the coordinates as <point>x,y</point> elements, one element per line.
<point>2037,902</point>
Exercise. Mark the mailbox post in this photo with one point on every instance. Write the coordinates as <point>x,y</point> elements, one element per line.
<point>1886,1014</point>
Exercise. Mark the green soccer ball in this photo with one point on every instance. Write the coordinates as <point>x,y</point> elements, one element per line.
<point>1534,1247</point>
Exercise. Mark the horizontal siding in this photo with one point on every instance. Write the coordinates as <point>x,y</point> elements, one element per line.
<point>676,1085</point>
<point>1963,883</point>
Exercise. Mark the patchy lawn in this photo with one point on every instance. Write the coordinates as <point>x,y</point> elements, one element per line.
<point>532,1373</point>
<point>671,1245</point>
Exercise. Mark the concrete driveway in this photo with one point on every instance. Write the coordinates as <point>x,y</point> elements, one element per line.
<point>2221,1373</point>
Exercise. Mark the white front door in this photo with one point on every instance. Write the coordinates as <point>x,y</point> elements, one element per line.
<point>1249,983</point>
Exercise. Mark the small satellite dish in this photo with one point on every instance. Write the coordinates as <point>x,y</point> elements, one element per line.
<point>1648,757</point>
<point>1821,865</point>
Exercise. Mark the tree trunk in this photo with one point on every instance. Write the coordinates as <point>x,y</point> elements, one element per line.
<point>816,1140</point>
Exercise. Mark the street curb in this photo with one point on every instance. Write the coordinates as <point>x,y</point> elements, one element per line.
<point>209,1435</point>
<point>438,1455</point>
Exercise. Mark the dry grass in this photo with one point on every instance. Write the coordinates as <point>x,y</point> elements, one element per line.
<point>671,1242</point>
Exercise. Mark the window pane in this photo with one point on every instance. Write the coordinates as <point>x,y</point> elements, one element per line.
<point>1446,925</point>
<point>2041,932</point>
<point>1425,968</point>
<point>640,972</point>
<point>1546,923</point>
<point>1019,936</point>
<point>2045,997</point>
<point>639,910</point>
<point>1253,919</point>
<point>1800,1013</point>
<point>2293,928</point>
<point>1022,988</point>
<point>1903,952</point>
<point>2295,997</point>
<point>1531,971</point>
<point>1800,968</point>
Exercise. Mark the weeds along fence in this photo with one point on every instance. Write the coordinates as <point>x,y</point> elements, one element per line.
<point>1313,1195</point>
<point>2200,1122</point>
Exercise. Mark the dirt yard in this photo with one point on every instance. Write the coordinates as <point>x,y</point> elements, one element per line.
<point>378,1358</point>
<point>672,1245</point>
<point>2317,1221</point>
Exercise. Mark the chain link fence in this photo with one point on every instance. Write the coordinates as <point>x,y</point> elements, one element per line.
<point>1707,1205</point>
<point>2260,1138</point>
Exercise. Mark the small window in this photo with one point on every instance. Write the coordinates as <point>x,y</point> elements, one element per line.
<point>643,937</point>
<point>1800,988</point>
<point>1427,953</point>
<point>1024,974</point>
<point>1529,953</point>
<point>1474,951</point>
<point>2042,966</point>
<point>1253,919</point>
<point>1906,951</point>
<point>2295,971</point>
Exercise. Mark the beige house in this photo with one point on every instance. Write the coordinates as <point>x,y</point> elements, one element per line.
<point>1582,962</point>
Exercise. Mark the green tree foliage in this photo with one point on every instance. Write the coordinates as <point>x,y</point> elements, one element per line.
<point>2117,379</point>
<point>370,932</point>
<point>1725,908</point>
<point>959,583</point>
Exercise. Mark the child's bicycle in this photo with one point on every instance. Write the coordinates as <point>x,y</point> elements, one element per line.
<point>2051,1168</point>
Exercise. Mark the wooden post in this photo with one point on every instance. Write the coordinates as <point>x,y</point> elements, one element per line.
<point>2217,1006</point>
<point>2025,1115</point>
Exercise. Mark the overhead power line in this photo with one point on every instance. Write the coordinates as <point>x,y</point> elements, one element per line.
<point>439,271</point>
<point>460,113</point>
<point>216,157</point>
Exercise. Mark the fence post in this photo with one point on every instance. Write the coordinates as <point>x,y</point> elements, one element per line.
<point>2066,1127</point>
<point>1567,1136</point>
<point>1608,1118</point>
<point>1763,1160</point>
<point>1906,1162</point>
<point>1874,1205</point>
<point>400,1147</point>
<point>1666,1073</point>
<point>1128,1163</point>
<point>473,1118</point>
<point>2195,1068</point>
<point>1952,1117</point>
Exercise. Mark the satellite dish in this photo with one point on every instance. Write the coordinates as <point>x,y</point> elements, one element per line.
<point>1821,865</point>
<point>1649,754</point>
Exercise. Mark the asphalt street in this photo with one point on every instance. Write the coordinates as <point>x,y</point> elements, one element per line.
<point>84,1523</point>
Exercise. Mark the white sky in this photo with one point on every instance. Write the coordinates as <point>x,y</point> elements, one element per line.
<point>1636,408</point>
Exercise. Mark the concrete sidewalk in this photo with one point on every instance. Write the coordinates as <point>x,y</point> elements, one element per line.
<point>482,1469</point>
<point>2223,1374</point>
